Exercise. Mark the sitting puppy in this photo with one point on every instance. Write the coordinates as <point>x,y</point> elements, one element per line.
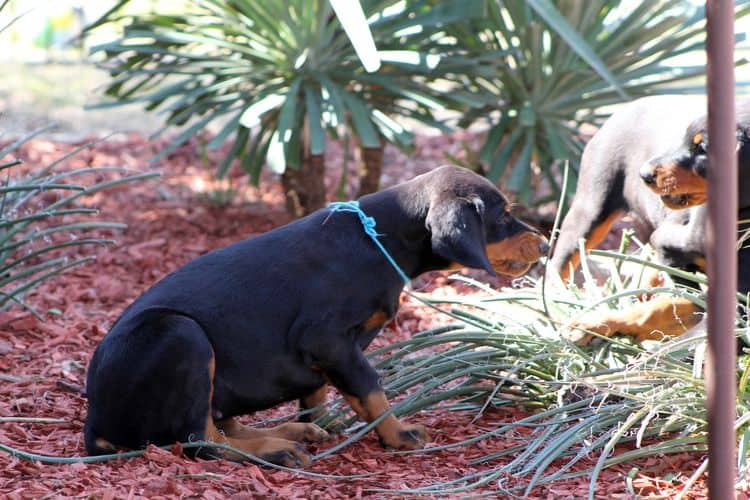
<point>673,177</point>
<point>278,316</point>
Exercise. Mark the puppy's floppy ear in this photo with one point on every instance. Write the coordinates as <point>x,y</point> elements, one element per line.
<point>456,227</point>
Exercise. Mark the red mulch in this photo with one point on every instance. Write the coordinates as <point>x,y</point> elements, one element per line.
<point>42,367</point>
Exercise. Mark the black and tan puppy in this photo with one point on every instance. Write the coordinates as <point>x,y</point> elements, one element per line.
<point>609,181</point>
<point>678,175</point>
<point>278,316</point>
<point>670,198</point>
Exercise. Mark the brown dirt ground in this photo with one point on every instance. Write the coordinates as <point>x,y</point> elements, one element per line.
<point>170,221</point>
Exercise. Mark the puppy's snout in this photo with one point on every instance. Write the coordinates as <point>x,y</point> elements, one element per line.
<point>536,246</point>
<point>648,174</point>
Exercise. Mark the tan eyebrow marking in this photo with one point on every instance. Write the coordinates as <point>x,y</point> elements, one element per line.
<point>698,138</point>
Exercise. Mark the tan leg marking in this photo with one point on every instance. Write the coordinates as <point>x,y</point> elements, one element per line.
<point>265,445</point>
<point>272,449</point>
<point>392,432</point>
<point>593,240</point>
<point>700,262</point>
<point>103,443</point>
<point>292,431</point>
<point>377,320</point>
<point>316,399</point>
<point>658,318</point>
<point>652,278</point>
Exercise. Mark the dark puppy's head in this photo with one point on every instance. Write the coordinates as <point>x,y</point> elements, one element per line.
<point>680,177</point>
<point>471,225</point>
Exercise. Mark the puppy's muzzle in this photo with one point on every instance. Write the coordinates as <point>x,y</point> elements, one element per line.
<point>513,256</point>
<point>677,186</point>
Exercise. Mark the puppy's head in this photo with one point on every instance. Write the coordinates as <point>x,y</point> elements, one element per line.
<point>470,225</point>
<point>680,177</point>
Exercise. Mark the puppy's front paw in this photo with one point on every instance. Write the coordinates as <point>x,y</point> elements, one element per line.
<point>314,433</point>
<point>285,453</point>
<point>581,333</point>
<point>406,437</point>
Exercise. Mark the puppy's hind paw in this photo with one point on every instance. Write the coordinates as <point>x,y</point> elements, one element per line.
<point>407,437</point>
<point>301,431</point>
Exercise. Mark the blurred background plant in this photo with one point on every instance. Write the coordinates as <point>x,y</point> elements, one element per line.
<point>564,63</point>
<point>282,76</point>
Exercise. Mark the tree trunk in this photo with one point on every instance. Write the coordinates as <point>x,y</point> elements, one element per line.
<point>371,166</point>
<point>304,187</point>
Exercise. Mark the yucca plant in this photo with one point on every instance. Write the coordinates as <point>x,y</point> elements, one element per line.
<point>41,217</point>
<point>565,61</point>
<point>278,77</point>
<point>614,402</point>
<point>43,223</point>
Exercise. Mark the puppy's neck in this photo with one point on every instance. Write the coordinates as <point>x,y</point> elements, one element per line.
<point>400,214</point>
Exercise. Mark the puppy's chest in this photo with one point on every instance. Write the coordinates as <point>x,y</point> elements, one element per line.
<point>354,318</point>
<point>366,331</point>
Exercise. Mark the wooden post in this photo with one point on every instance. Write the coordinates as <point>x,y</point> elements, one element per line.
<point>721,379</point>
